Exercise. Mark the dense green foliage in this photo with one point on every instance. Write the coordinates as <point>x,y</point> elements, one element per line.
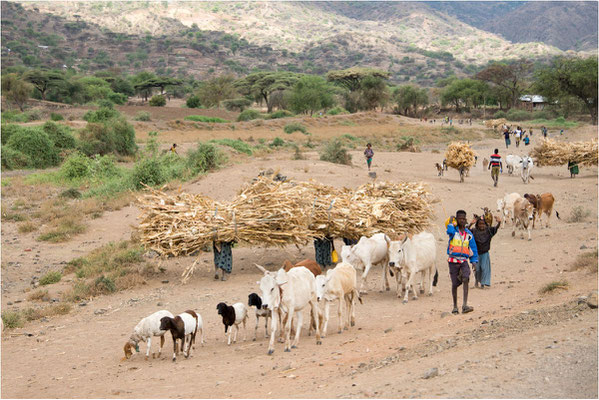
<point>203,118</point>
<point>158,101</point>
<point>35,144</point>
<point>310,94</point>
<point>334,151</point>
<point>193,102</point>
<point>61,135</point>
<point>248,115</point>
<point>295,127</point>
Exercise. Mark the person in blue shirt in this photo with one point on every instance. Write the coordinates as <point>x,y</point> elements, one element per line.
<point>460,249</point>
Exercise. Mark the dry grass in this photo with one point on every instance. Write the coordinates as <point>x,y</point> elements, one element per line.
<point>27,227</point>
<point>578,214</point>
<point>17,318</point>
<point>550,287</point>
<point>39,295</point>
<point>63,229</point>
<point>587,260</point>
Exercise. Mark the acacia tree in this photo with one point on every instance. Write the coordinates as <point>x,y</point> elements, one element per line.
<point>366,87</point>
<point>570,77</point>
<point>408,98</point>
<point>16,90</point>
<point>215,90</point>
<point>509,77</point>
<point>310,94</point>
<point>468,92</point>
<point>352,78</point>
<point>42,80</point>
<point>261,85</point>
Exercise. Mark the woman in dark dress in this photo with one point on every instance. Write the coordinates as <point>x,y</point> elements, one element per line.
<point>483,234</point>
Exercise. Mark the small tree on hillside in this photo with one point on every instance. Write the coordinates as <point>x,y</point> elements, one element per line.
<point>310,94</point>
<point>212,92</point>
<point>42,80</point>
<point>16,90</point>
<point>261,85</point>
<point>511,77</point>
<point>408,98</point>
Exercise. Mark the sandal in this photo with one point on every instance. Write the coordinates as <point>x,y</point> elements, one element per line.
<point>467,309</point>
<point>455,311</point>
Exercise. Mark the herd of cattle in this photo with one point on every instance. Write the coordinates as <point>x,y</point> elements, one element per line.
<point>524,211</point>
<point>513,164</point>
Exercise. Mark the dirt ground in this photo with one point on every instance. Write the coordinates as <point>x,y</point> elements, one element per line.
<point>517,343</point>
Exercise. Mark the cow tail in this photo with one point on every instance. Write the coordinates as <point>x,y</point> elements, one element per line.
<point>436,277</point>
<point>557,214</point>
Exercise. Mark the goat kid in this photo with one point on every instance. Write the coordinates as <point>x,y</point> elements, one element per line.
<point>183,327</point>
<point>233,316</point>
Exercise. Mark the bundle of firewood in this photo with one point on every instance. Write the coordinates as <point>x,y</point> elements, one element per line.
<point>553,153</point>
<point>459,155</point>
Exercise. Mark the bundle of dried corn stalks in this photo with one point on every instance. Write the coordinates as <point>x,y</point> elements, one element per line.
<point>459,155</point>
<point>553,153</point>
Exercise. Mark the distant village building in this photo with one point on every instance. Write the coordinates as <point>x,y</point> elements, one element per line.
<point>533,102</point>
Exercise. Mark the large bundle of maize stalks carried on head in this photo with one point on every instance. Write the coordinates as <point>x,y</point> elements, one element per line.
<point>459,155</point>
<point>495,123</point>
<point>552,153</point>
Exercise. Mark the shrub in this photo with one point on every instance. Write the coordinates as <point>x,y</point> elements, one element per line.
<point>203,158</point>
<point>76,166</point>
<point>56,117</point>
<point>14,159</point>
<point>550,287</point>
<point>248,115</point>
<point>12,319</point>
<point>143,116</point>
<point>61,135</point>
<point>335,152</point>
<point>50,278</point>
<point>337,110</point>
<point>203,118</point>
<point>8,130</point>
<point>193,102</point>
<point>39,295</point>
<point>237,104</point>
<point>281,114</point>
<point>587,261</point>
<point>295,127</point>
<point>70,193</point>
<point>277,142</point>
<point>238,145</point>
<point>118,98</point>
<point>147,171</point>
<point>499,114</point>
<point>157,101</point>
<point>116,135</point>
<point>104,285</point>
<point>407,143</point>
<point>544,114</point>
<point>35,143</point>
<point>518,115</point>
<point>579,214</point>
<point>124,136</point>
<point>100,115</point>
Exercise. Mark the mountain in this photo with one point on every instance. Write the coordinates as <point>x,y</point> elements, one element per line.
<point>415,41</point>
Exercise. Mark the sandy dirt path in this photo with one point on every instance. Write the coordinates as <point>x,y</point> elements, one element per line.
<point>517,343</point>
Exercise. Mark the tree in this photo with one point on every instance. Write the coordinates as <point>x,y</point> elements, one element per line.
<point>42,80</point>
<point>212,92</point>
<point>16,90</point>
<point>408,98</point>
<point>510,77</point>
<point>374,92</point>
<point>261,85</point>
<point>468,92</point>
<point>570,77</point>
<point>310,94</point>
<point>351,78</point>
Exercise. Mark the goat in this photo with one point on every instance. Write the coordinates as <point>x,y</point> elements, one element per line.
<point>184,326</point>
<point>255,300</point>
<point>233,316</point>
<point>143,331</point>
<point>439,169</point>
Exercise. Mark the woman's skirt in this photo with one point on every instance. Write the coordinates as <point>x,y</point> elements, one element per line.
<point>483,271</point>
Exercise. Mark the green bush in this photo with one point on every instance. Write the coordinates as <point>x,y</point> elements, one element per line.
<point>248,115</point>
<point>50,278</point>
<point>118,98</point>
<point>115,135</point>
<point>499,114</point>
<point>12,319</point>
<point>543,114</point>
<point>8,130</point>
<point>101,115</point>
<point>14,159</point>
<point>295,127</point>
<point>518,115</point>
<point>76,166</point>
<point>60,135</point>
<point>104,285</point>
<point>237,104</point>
<point>124,136</point>
<point>335,152</point>
<point>406,143</point>
<point>203,118</point>
<point>158,101</point>
<point>193,102</point>
<point>16,116</point>
<point>36,144</point>
<point>277,142</point>
<point>143,116</point>
<point>56,117</point>
<point>203,158</point>
<point>281,114</point>
<point>148,171</point>
<point>238,145</point>
<point>104,166</point>
<point>337,110</point>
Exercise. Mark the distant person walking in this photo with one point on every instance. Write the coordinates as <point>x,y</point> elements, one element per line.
<point>526,140</point>
<point>544,130</point>
<point>173,148</point>
<point>517,136</point>
<point>368,153</point>
<point>506,135</point>
<point>495,166</point>
<point>573,167</point>
<point>483,234</point>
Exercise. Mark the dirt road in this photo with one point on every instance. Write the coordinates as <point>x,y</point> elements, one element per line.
<point>516,343</point>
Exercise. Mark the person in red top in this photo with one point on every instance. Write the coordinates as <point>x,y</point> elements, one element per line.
<point>495,166</point>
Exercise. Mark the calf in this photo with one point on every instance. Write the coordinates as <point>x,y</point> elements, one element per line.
<point>505,206</point>
<point>411,256</point>
<point>339,283</point>
<point>526,166</point>
<point>184,327</point>
<point>543,204</point>
<point>255,300</point>
<point>310,264</point>
<point>290,291</point>
<point>523,216</point>
<point>233,316</point>
<point>366,253</point>
<point>512,163</point>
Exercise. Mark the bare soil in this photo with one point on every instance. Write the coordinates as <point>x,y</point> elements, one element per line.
<point>516,343</point>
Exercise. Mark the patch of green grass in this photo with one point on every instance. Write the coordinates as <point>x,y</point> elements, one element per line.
<point>12,319</point>
<point>203,118</point>
<point>13,217</point>
<point>550,287</point>
<point>50,278</point>
<point>238,145</point>
<point>587,260</point>
<point>277,142</point>
<point>559,122</point>
<point>349,137</point>
<point>295,127</point>
<point>64,229</point>
<point>348,122</point>
<point>111,258</point>
<point>6,182</point>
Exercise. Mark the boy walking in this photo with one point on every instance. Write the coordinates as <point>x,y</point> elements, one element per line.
<point>495,166</point>
<point>461,247</point>
<point>368,153</point>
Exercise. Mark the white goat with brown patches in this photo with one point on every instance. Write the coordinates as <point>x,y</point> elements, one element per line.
<point>339,283</point>
<point>143,332</point>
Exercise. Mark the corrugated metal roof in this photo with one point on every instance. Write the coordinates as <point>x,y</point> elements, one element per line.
<point>535,98</point>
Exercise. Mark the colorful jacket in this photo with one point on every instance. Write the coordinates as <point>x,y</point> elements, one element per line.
<point>461,249</point>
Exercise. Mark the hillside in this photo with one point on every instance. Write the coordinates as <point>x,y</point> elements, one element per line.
<point>413,41</point>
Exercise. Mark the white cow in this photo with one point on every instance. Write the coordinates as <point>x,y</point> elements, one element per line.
<point>526,165</point>
<point>523,216</point>
<point>505,206</point>
<point>289,292</point>
<point>512,163</point>
<point>366,253</point>
<point>410,257</point>
<point>339,283</point>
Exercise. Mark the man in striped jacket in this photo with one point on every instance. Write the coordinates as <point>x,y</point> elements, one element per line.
<point>495,166</point>
<point>460,249</point>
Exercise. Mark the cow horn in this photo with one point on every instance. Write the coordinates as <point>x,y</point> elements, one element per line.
<point>261,268</point>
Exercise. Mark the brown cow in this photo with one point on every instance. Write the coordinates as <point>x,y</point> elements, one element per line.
<point>543,204</point>
<point>523,216</point>
<point>310,264</point>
